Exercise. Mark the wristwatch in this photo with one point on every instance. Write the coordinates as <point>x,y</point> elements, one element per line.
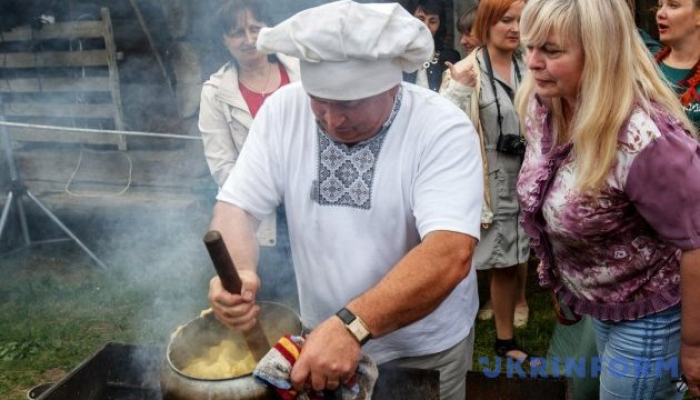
<point>354,325</point>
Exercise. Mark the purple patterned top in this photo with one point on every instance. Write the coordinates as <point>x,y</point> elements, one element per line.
<point>615,257</point>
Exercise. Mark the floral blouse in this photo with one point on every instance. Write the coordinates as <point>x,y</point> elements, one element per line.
<point>614,257</point>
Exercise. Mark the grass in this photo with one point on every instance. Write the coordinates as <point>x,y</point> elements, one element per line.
<point>535,336</point>
<point>57,308</point>
<point>54,318</point>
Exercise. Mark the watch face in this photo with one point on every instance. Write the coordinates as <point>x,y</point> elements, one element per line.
<point>359,331</point>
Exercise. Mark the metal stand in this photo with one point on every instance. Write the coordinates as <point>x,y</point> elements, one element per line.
<point>19,190</point>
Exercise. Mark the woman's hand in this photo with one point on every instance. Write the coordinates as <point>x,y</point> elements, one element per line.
<point>463,72</point>
<point>690,319</point>
<point>690,365</point>
<point>237,311</point>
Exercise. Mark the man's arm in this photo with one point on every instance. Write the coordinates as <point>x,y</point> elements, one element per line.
<point>415,287</point>
<point>690,319</point>
<point>237,229</point>
<point>417,284</point>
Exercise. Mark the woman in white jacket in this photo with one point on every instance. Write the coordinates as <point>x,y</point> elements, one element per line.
<point>230,100</point>
<point>232,96</point>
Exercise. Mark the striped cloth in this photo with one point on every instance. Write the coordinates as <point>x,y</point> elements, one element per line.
<point>275,368</point>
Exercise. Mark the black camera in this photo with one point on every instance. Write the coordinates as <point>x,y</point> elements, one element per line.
<point>511,144</point>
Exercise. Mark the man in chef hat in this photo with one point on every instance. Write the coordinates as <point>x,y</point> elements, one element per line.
<point>381,182</point>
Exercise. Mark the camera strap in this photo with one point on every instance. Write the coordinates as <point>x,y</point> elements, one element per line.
<point>508,90</point>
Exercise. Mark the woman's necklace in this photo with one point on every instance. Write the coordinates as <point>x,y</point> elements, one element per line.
<point>263,91</point>
<point>434,60</point>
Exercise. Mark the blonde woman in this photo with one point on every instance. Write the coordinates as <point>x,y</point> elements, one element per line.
<point>609,189</point>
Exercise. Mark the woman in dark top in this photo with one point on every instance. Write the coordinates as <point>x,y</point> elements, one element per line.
<point>464,26</point>
<point>433,15</point>
<point>679,60</point>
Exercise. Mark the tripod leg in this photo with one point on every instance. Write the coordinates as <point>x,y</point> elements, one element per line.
<point>6,212</point>
<point>23,222</point>
<point>65,229</point>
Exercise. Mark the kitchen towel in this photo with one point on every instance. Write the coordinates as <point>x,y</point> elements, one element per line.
<point>276,367</point>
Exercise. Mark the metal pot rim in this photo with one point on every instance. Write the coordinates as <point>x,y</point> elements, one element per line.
<point>211,316</point>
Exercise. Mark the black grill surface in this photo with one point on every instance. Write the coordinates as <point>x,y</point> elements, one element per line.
<point>132,372</point>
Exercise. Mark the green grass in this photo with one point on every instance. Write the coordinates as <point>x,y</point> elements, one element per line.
<point>56,311</point>
<point>534,337</point>
<point>57,308</point>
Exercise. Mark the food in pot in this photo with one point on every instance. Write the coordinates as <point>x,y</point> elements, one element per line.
<point>222,361</point>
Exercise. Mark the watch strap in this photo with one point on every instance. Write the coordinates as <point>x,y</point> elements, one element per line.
<point>346,316</point>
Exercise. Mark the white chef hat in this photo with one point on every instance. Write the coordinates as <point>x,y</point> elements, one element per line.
<point>349,50</point>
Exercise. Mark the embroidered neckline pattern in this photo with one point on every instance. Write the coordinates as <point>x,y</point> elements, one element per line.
<point>346,172</point>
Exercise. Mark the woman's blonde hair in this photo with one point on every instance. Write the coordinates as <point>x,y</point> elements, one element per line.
<point>618,75</point>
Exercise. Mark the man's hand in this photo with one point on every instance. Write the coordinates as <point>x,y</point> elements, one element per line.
<point>238,312</point>
<point>463,72</point>
<point>328,359</point>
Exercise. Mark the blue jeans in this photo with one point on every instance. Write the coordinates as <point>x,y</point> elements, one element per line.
<point>640,359</point>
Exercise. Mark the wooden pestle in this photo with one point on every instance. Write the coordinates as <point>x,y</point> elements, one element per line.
<point>255,337</point>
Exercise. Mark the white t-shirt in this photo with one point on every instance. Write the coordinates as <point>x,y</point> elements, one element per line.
<point>354,211</point>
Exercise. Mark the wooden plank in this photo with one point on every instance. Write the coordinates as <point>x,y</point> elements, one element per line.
<point>112,65</point>
<point>57,59</point>
<point>111,49</point>
<point>28,85</point>
<point>60,30</point>
<point>152,45</point>
<point>58,110</point>
<point>63,136</point>
<point>53,59</point>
